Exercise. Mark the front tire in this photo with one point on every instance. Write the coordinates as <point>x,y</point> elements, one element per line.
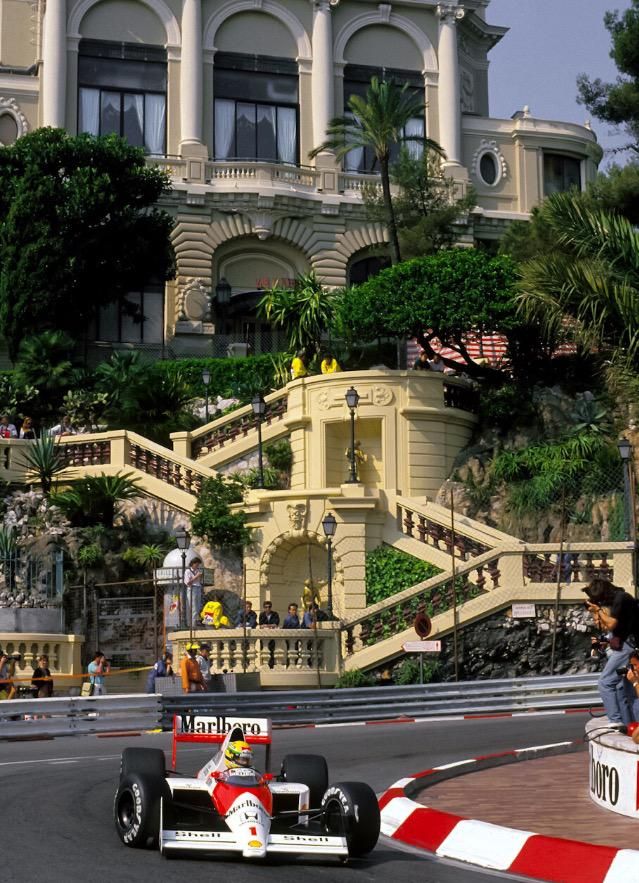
<point>310,770</point>
<point>136,809</point>
<point>351,810</point>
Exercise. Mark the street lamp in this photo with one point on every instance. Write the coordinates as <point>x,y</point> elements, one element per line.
<point>625,452</point>
<point>259,409</point>
<point>352,400</point>
<point>223,293</point>
<point>329,525</point>
<point>183,541</point>
<point>206,379</point>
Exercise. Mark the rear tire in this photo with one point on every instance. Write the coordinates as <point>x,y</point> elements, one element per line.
<point>145,761</point>
<point>310,770</point>
<point>136,809</point>
<point>351,810</point>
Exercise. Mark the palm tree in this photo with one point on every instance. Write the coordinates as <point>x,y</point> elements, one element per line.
<point>378,122</point>
<point>95,499</point>
<point>46,459</point>
<point>587,286</point>
<point>304,311</point>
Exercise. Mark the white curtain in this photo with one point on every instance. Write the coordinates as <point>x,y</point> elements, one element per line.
<point>354,159</point>
<point>415,127</point>
<point>224,127</point>
<point>287,134</point>
<point>135,130</point>
<point>155,115</point>
<point>89,111</point>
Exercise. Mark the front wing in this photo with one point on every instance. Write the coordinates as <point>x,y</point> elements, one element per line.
<point>225,841</point>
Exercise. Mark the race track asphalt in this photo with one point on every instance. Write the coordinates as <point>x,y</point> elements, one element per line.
<point>56,801</point>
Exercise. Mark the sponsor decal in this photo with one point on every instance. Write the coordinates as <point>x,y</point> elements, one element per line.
<point>604,782</point>
<point>219,725</point>
<point>254,844</point>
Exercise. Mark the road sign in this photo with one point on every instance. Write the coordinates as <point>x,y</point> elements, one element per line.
<point>422,646</point>
<point>524,611</point>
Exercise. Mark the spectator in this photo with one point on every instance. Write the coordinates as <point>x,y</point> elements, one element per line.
<point>7,687</point>
<point>298,366</point>
<point>64,427</point>
<point>41,681</point>
<point>205,666</point>
<point>312,616</point>
<point>614,611</point>
<point>269,619</point>
<point>190,670</point>
<point>247,616</point>
<point>437,364</point>
<point>193,580</point>
<point>27,430</point>
<point>421,363</point>
<point>291,620</point>
<point>329,364</point>
<point>7,430</point>
<point>97,671</point>
<point>163,668</point>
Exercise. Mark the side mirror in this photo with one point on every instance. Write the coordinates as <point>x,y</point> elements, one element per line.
<point>267,777</point>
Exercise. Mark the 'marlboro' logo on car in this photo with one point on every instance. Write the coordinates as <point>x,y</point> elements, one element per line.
<point>220,726</point>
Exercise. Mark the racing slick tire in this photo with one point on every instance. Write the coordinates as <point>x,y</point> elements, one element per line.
<point>307,769</point>
<point>351,810</point>
<point>146,761</point>
<point>136,809</point>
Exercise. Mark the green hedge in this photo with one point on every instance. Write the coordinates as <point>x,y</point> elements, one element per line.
<point>241,378</point>
<point>389,571</point>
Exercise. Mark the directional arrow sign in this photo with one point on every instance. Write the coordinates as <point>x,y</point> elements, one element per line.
<point>422,646</point>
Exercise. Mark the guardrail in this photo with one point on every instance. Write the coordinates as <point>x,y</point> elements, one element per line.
<point>384,703</point>
<point>78,715</point>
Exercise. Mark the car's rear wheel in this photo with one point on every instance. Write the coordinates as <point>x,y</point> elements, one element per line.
<point>350,810</point>
<point>136,809</point>
<point>310,770</point>
<point>146,761</point>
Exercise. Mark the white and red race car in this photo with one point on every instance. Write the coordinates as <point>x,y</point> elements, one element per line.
<point>241,810</point>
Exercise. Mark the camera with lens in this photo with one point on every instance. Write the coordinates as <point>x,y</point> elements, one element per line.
<point>17,657</point>
<point>623,671</point>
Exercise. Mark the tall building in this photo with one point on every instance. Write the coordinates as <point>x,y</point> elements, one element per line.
<point>229,96</point>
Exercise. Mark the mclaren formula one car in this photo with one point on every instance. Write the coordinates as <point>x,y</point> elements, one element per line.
<point>228,806</point>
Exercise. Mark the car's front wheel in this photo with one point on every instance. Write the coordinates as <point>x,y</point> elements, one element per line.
<point>350,810</point>
<point>136,809</point>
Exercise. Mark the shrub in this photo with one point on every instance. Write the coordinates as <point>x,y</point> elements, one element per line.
<point>407,672</point>
<point>354,678</point>
<point>94,499</point>
<point>280,455</point>
<point>389,571</point>
<point>230,378</point>
<point>213,520</point>
<point>90,556</point>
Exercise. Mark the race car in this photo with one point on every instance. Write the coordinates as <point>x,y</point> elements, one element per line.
<point>228,806</point>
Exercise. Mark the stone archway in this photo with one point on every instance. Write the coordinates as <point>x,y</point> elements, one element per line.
<point>290,560</point>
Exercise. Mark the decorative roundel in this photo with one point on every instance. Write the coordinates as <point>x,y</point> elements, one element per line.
<point>10,109</point>
<point>489,164</point>
<point>423,625</point>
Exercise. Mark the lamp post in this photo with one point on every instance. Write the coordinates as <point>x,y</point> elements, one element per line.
<point>223,293</point>
<point>625,452</point>
<point>259,409</point>
<point>206,379</point>
<point>329,525</point>
<point>183,540</point>
<point>352,400</point>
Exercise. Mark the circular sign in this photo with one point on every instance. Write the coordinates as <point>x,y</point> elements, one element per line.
<point>423,626</point>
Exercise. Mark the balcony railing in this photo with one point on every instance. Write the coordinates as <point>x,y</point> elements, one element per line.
<point>258,172</point>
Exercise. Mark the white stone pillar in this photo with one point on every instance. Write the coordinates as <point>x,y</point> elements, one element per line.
<point>54,64</point>
<point>323,92</point>
<point>449,89</point>
<point>191,70</point>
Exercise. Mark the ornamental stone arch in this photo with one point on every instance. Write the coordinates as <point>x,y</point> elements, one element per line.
<point>159,7</point>
<point>270,7</point>
<point>19,126</point>
<point>294,557</point>
<point>384,16</point>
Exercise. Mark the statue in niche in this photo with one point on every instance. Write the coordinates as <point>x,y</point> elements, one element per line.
<point>312,593</point>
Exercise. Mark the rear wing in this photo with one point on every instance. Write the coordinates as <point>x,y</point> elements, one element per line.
<point>213,730</point>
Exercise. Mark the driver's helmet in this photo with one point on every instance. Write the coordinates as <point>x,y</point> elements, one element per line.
<point>238,754</point>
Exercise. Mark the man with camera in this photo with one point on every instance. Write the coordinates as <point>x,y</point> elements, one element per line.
<point>614,612</point>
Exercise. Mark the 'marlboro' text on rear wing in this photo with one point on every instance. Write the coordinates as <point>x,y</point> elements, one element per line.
<point>188,727</point>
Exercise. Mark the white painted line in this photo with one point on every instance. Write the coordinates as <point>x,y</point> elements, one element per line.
<point>395,814</point>
<point>59,762</point>
<point>438,720</point>
<point>537,713</point>
<point>449,766</point>
<point>327,726</point>
<point>541,747</point>
<point>624,867</point>
<point>490,846</point>
<point>402,783</point>
<point>87,757</point>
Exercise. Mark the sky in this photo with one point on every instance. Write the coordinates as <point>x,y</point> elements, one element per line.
<point>549,43</point>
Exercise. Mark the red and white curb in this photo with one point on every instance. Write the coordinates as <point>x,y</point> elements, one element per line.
<point>551,859</point>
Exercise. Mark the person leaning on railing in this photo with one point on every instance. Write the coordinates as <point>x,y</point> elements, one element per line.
<point>615,612</point>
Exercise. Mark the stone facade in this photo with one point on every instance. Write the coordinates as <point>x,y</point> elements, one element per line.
<point>271,215</point>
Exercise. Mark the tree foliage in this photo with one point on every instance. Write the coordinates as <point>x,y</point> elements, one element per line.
<point>95,499</point>
<point>389,571</point>
<point>378,122</point>
<point>213,519</point>
<point>426,206</point>
<point>444,295</point>
<point>78,229</point>
<point>618,102</point>
<point>305,312</point>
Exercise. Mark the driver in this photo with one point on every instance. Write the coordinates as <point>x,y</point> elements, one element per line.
<point>238,754</point>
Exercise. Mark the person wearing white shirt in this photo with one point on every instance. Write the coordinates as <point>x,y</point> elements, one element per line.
<point>7,430</point>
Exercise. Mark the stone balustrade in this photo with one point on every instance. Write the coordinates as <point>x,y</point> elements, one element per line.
<point>64,652</point>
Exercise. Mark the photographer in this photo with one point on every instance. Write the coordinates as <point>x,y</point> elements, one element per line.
<point>615,612</point>
<point>632,676</point>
